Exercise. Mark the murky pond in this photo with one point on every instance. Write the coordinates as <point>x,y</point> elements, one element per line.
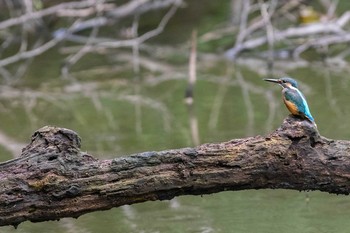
<point>117,113</point>
<point>121,115</point>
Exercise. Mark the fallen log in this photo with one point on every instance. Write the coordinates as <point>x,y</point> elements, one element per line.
<point>53,179</point>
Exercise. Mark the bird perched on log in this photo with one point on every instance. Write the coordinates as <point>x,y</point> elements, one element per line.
<point>293,98</point>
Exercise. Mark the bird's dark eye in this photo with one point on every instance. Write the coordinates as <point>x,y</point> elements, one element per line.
<point>283,81</point>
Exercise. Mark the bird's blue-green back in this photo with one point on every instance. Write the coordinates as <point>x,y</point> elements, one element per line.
<point>297,98</point>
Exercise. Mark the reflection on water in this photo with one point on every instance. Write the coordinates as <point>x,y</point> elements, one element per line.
<point>118,116</point>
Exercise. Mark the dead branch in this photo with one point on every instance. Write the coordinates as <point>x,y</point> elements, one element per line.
<point>28,54</point>
<point>91,15</point>
<point>40,14</point>
<point>52,171</point>
<point>324,32</point>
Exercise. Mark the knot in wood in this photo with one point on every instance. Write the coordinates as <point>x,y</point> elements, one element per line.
<point>298,130</point>
<point>294,127</point>
<point>53,139</point>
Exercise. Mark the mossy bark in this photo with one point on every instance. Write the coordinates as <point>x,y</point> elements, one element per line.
<point>53,179</point>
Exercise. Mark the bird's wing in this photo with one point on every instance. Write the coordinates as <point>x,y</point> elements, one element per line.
<point>295,96</point>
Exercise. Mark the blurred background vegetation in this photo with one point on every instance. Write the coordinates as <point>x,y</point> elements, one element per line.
<point>117,73</point>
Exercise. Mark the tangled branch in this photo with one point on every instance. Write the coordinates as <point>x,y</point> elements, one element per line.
<point>77,17</point>
<point>265,29</point>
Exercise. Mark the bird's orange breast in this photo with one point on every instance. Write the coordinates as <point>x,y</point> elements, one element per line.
<point>291,107</point>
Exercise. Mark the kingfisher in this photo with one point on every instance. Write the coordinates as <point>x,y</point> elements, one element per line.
<point>293,98</point>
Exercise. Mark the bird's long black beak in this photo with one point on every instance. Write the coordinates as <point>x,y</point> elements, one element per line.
<point>272,80</point>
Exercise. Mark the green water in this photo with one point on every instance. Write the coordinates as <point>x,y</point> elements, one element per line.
<point>116,114</point>
<point>119,116</point>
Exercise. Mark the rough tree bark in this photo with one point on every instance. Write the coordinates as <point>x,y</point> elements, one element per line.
<point>53,172</point>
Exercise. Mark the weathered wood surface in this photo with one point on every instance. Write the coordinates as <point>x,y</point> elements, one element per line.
<point>54,179</point>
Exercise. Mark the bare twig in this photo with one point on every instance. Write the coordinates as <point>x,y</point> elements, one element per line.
<point>332,27</point>
<point>192,77</point>
<point>29,54</point>
<point>193,59</point>
<point>49,11</point>
<point>324,41</point>
<point>332,8</point>
<point>243,23</point>
<point>269,30</point>
<point>105,13</point>
<point>144,37</point>
<point>71,60</point>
